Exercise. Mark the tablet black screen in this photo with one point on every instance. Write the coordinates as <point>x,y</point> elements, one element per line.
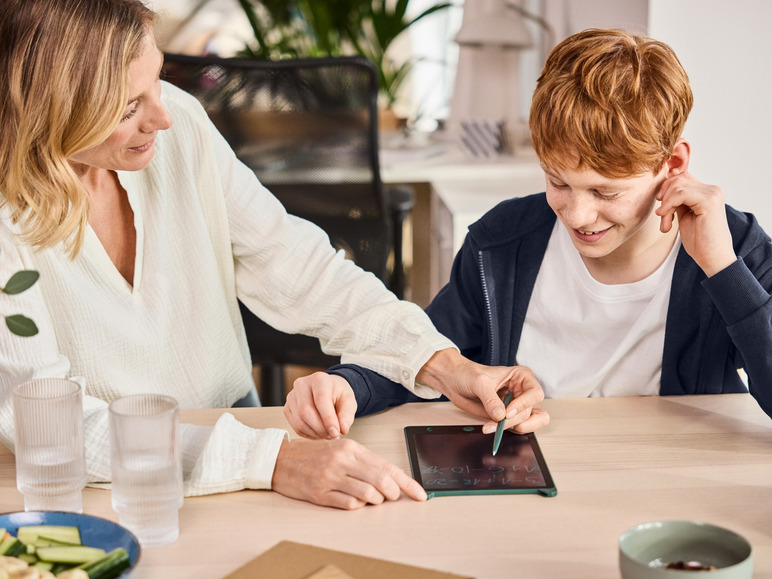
<point>459,460</point>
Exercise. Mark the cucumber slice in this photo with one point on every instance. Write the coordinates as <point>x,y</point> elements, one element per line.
<point>11,547</point>
<point>63,534</point>
<point>109,566</point>
<point>43,541</point>
<point>78,554</point>
<point>59,567</point>
<point>31,559</point>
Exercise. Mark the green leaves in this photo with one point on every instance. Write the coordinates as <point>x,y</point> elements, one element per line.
<point>21,325</point>
<point>19,282</point>
<point>301,28</point>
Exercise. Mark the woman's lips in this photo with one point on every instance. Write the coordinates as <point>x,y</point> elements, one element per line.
<point>142,148</point>
<point>589,236</point>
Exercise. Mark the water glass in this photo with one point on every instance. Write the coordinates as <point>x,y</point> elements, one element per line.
<point>50,452</point>
<point>146,465</point>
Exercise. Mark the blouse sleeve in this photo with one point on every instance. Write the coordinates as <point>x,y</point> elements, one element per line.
<point>289,275</point>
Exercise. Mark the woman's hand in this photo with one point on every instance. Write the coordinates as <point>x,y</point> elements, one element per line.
<point>321,406</point>
<point>339,473</point>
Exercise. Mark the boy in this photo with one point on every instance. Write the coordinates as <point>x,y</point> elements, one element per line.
<point>628,276</point>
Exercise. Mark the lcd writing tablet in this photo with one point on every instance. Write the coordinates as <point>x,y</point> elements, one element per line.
<point>458,460</point>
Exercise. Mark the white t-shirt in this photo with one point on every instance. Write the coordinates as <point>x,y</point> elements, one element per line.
<point>585,338</point>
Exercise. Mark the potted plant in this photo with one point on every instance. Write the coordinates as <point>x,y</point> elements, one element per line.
<point>19,282</point>
<point>308,28</point>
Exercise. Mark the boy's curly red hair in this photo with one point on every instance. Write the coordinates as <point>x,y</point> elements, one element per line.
<point>609,100</point>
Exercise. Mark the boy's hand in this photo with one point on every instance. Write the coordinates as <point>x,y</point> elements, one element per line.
<point>321,406</point>
<point>701,215</point>
<point>478,390</point>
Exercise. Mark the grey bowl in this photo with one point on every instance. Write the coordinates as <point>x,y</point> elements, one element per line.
<point>645,549</point>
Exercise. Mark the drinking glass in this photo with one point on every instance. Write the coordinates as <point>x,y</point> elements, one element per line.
<point>146,465</point>
<point>50,452</point>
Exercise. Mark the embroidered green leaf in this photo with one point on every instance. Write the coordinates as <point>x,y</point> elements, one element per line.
<point>21,281</point>
<point>21,325</point>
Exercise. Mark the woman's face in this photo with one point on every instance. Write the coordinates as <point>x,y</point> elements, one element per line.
<point>130,146</point>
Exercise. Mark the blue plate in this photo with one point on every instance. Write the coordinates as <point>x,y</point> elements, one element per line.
<point>94,531</point>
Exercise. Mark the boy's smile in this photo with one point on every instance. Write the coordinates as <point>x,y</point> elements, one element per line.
<point>611,221</point>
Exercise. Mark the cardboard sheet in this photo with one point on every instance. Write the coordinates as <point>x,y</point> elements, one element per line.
<point>289,560</point>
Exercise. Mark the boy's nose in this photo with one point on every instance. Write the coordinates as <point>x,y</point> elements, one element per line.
<point>580,211</point>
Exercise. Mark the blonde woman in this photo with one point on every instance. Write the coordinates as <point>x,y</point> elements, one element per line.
<point>145,229</point>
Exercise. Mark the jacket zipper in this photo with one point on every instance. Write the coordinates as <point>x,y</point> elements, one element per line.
<point>488,309</point>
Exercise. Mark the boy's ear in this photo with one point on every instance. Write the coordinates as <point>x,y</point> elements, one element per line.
<point>679,161</point>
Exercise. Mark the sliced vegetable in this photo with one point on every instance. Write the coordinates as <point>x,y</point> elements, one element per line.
<point>11,546</point>
<point>110,566</point>
<point>43,566</point>
<point>78,554</point>
<point>63,534</point>
<point>49,542</point>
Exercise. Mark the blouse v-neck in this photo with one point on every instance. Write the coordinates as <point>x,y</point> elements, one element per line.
<point>92,245</point>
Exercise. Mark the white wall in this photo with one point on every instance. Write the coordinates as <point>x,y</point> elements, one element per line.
<point>726,49</point>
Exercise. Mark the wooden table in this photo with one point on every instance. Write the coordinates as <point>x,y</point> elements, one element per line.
<point>616,462</point>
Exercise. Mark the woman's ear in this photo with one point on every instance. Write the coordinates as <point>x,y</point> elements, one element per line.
<point>679,161</point>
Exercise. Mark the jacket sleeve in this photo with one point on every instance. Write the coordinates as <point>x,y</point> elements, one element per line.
<point>746,306</point>
<point>373,392</point>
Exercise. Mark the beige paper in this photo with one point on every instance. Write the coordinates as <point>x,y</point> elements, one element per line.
<point>288,560</point>
<point>330,572</point>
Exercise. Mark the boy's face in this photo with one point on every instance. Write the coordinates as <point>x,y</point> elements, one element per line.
<point>609,220</point>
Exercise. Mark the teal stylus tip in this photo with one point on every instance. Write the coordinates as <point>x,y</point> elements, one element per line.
<point>500,426</point>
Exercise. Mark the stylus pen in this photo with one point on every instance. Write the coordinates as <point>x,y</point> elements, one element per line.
<point>500,427</point>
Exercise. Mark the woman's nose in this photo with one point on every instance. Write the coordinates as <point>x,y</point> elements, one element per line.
<point>158,119</point>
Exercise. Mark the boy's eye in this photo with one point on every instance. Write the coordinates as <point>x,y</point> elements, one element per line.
<point>604,194</point>
<point>558,185</point>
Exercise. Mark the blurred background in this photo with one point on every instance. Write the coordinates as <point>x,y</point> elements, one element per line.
<point>724,47</point>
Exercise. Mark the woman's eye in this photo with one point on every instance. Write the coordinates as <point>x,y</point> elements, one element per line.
<point>129,114</point>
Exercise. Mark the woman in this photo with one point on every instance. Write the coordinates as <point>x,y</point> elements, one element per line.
<point>145,229</point>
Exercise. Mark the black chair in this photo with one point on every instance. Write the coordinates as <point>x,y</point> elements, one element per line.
<point>308,128</point>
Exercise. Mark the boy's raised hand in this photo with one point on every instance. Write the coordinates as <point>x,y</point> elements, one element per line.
<point>701,216</point>
<point>479,389</point>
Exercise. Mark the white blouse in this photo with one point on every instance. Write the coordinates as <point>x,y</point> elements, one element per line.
<point>207,233</point>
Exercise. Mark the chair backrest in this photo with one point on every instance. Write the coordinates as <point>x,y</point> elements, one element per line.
<point>308,128</point>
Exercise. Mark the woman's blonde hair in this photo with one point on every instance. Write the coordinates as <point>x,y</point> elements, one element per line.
<point>609,100</point>
<point>64,70</point>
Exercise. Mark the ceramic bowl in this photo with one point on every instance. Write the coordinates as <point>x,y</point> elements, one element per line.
<point>646,550</point>
<point>94,531</point>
